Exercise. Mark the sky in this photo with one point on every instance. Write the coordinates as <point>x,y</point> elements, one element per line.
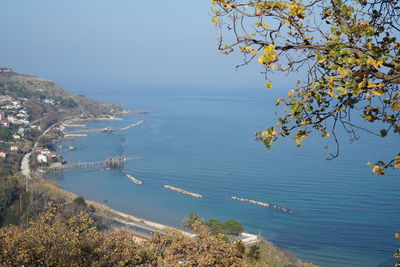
<point>98,44</point>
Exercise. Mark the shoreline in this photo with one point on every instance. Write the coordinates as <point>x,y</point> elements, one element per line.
<point>75,120</point>
<point>248,238</point>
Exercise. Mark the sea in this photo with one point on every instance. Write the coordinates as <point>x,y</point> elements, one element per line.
<point>203,141</point>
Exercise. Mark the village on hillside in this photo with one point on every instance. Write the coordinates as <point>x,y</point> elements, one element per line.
<point>18,133</point>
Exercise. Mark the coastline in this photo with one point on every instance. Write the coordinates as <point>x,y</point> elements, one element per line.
<point>108,211</point>
<point>130,220</point>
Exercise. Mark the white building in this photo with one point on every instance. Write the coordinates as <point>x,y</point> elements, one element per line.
<point>3,154</point>
<point>13,148</point>
<point>41,158</point>
<point>11,119</point>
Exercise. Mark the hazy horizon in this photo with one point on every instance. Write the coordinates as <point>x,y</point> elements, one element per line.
<point>98,44</point>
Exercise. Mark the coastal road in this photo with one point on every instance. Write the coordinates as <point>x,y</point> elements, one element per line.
<point>25,168</point>
<point>138,229</point>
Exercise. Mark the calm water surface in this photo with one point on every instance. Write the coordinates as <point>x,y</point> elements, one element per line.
<point>204,143</point>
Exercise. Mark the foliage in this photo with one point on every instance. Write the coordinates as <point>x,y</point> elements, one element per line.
<point>348,51</point>
<point>233,227</point>
<point>9,193</point>
<point>215,226</point>
<point>190,220</point>
<point>5,134</point>
<point>54,240</point>
<point>68,102</point>
<point>203,250</point>
<point>80,201</point>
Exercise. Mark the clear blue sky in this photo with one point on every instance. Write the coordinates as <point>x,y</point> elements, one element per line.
<point>124,43</point>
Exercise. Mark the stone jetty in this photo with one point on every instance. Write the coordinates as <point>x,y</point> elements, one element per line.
<point>183,191</point>
<point>262,204</point>
<point>133,179</point>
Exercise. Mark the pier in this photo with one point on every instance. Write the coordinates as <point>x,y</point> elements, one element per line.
<point>110,162</point>
<point>263,204</point>
<point>183,191</point>
<point>104,130</point>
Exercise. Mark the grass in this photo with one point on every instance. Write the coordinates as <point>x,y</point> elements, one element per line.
<point>272,256</point>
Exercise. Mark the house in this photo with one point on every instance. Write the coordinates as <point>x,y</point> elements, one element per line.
<point>4,123</point>
<point>16,137</point>
<point>2,115</point>
<point>43,151</point>
<point>21,131</point>
<point>41,158</point>
<point>4,70</point>
<point>13,148</point>
<point>52,155</point>
<point>3,154</point>
<point>11,119</point>
<point>5,98</point>
<point>49,101</point>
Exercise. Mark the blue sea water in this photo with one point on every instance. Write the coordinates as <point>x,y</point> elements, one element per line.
<point>203,142</point>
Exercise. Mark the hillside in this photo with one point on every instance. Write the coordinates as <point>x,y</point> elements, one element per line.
<point>46,101</point>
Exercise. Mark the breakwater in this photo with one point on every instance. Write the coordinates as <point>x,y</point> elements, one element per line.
<point>263,204</point>
<point>75,135</point>
<point>133,179</point>
<point>183,191</point>
<point>132,125</point>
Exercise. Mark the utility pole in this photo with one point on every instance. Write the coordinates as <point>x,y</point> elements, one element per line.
<point>20,202</point>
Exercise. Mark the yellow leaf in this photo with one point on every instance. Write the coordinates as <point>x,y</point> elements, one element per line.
<point>377,92</point>
<point>395,107</point>
<point>214,20</point>
<point>265,25</point>
<point>268,85</point>
<point>287,21</point>
<point>397,165</point>
<point>290,93</point>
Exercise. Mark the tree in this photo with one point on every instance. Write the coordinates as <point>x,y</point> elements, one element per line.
<point>80,201</point>
<point>233,227</point>
<point>215,226</point>
<point>349,51</point>
<point>5,134</point>
<point>190,220</point>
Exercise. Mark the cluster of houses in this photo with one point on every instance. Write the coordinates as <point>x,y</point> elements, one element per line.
<point>45,155</point>
<point>14,115</point>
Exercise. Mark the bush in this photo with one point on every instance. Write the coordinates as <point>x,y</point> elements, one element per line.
<point>233,227</point>
<point>80,201</point>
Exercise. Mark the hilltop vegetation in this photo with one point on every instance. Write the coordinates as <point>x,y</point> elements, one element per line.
<point>49,103</point>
